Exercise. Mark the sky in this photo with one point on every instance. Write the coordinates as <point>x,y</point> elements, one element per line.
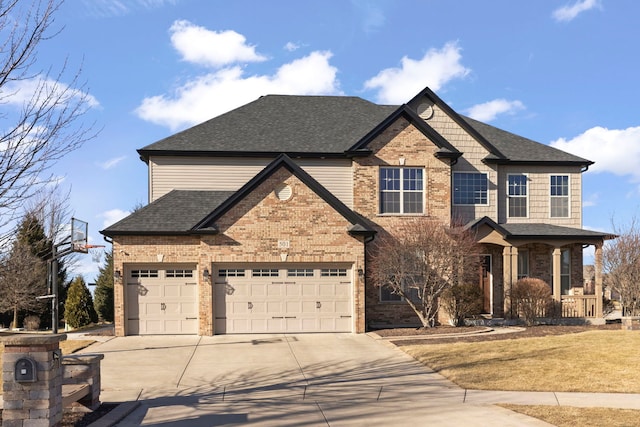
<point>560,72</point>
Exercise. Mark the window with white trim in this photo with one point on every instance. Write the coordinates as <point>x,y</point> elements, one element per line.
<point>333,272</point>
<point>517,195</point>
<point>179,273</point>
<point>559,196</point>
<point>401,190</point>
<point>300,272</point>
<point>265,272</point>
<point>231,272</point>
<point>470,188</point>
<point>144,273</point>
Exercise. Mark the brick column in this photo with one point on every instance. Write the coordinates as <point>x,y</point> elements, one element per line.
<point>37,403</point>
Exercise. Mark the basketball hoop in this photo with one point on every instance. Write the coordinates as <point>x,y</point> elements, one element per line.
<point>94,250</point>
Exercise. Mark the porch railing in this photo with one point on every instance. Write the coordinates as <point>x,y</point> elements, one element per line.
<point>578,306</point>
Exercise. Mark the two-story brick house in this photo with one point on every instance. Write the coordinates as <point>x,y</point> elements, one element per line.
<point>259,219</point>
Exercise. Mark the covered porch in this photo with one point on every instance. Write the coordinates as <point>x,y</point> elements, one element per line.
<point>548,252</point>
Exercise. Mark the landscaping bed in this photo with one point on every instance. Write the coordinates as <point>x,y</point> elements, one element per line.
<point>478,333</point>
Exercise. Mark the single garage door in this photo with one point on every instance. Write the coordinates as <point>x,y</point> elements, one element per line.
<point>278,299</point>
<point>161,301</point>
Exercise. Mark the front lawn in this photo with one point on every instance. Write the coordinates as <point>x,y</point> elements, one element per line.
<point>593,361</point>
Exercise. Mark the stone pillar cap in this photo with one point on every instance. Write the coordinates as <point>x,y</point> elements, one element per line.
<point>31,339</point>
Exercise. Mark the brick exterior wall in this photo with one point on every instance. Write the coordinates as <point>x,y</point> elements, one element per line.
<point>401,140</point>
<point>250,232</point>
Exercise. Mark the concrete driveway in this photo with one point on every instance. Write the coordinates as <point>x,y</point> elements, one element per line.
<point>281,380</point>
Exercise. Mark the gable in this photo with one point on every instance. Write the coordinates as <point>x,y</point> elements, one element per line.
<point>357,224</point>
<point>282,208</point>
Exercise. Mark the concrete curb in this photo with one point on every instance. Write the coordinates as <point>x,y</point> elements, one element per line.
<point>487,330</point>
<point>116,415</point>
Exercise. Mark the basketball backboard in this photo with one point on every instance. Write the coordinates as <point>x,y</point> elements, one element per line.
<point>79,233</point>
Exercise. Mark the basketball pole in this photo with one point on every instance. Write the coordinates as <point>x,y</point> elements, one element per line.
<point>54,292</point>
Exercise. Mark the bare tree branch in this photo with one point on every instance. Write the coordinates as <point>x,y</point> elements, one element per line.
<point>423,259</point>
<point>621,261</point>
<point>40,122</point>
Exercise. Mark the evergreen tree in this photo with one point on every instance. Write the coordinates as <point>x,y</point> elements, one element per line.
<point>79,305</point>
<point>24,275</point>
<point>31,233</point>
<point>103,300</point>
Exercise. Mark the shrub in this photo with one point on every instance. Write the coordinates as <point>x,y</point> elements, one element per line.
<point>531,298</point>
<point>462,301</point>
<point>79,309</point>
<point>31,323</point>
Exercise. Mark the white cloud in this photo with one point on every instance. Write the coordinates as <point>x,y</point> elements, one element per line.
<point>215,93</point>
<point>291,46</point>
<point>112,216</point>
<point>568,13</point>
<point>111,163</point>
<point>488,111</point>
<point>591,200</point>
<point>613,150</point>
<point>109,8</point>
<point>211,48</point>
<point>371,14</point>
<point>435,69</point>
<point>44,91</point>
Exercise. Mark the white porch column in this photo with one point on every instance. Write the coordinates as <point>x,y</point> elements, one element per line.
<point>598,279</point>
<point>557,271</point>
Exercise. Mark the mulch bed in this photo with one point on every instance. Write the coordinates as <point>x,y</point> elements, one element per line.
<point>528,332</point>
<point>82,419</point>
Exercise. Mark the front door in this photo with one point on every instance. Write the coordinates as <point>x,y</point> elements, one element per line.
<point>485,282</point>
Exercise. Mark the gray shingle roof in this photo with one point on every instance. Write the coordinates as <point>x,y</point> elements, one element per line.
<point>551,231</point>
<point>174,213</point>
<point>319,125</point>
<point>519,149</point>
<point>282,124</point>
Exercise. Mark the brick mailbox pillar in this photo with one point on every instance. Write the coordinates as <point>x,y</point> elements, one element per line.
<point>32,380</point>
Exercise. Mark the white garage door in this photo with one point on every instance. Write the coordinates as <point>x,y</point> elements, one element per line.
<point>161,301</point>
<point>274,299</point>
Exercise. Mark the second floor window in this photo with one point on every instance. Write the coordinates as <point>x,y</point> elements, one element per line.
<point>401,190</point>
<point>559,191</point>
<point>470,188</point>
<point>517,195</point>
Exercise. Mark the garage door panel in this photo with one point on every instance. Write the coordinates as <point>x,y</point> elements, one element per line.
<point>274,308</point>
<point>283,299</point>
<point>274,289</point>
<point>160,302</point>
<point>258,290</point>
<point>293,289</point>
<point>309,290</point>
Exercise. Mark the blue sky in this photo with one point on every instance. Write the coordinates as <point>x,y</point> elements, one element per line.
<point>563,73</point>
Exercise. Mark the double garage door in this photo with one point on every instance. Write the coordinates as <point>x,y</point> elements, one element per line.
<point>253,298</point>
<point>249,298</point>
<point>161,300</point>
